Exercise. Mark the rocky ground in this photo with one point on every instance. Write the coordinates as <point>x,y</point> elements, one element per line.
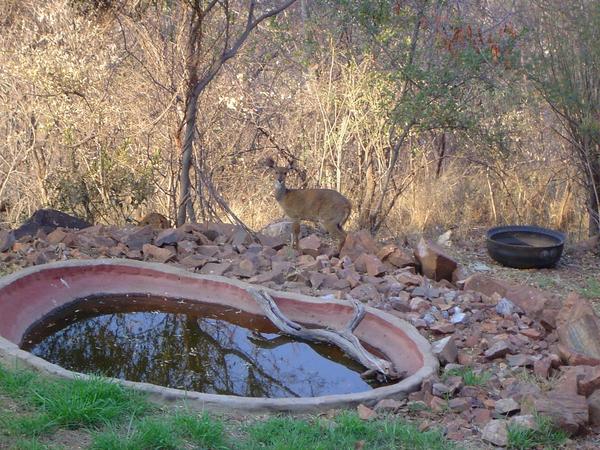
<point>509,351</point>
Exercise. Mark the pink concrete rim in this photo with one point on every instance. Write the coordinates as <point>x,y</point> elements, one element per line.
<point>55,284</point>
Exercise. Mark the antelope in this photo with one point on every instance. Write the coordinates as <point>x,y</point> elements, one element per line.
<point>325,206</point>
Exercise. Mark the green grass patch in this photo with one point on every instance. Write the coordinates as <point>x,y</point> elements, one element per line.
<point>592,288</point>
<point>113,417</point>
<point>342,432</point>
<point>470,377</point>
<point>57,403</point>
<point>544,436</point>
<point>173,431</point>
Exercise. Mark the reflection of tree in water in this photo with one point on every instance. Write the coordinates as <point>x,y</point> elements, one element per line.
<point>202,354</point>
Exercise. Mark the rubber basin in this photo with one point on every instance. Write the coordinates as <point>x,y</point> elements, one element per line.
<point>525,246</point>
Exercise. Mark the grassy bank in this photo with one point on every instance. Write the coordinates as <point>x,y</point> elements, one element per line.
<point>43,413</point>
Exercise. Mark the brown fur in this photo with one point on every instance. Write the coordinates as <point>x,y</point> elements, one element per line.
<point>325,206</point>
<point>155,220</point>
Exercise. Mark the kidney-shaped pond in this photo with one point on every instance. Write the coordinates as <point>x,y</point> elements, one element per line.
<point>191,346</point>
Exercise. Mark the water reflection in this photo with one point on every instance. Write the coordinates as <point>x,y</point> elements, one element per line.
<point>190,346</point>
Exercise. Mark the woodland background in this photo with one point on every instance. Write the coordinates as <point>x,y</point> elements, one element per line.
<point>428,115</point>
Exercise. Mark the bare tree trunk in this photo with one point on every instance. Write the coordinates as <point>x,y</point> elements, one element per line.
<point>594,197</point>
<point>189,130</point>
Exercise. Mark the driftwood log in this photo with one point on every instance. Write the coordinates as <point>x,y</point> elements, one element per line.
<point>344,339</point>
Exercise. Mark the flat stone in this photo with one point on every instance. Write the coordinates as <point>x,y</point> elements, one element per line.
<point>310,245</point>
<point>541,367</point>
<point>365,413</point>
<point>193,261</point>
<point>7,239</point>
<point>395,256</point>
<point>496,432</point>
<point>365,293</point>
<point>506,406</point>
<point>443,328</point>
<point>369,264</point>
<point>135,238</point>
<point>498,350</point>
<point>590,382</point>
<point>593,402</point>
<point>435,263</point>
<point>215,268</point>
<point>568,412</point>
<point>532,333</point>
<point>526,421</point>
<point>532,301</point>
<point>519,360</point>
<point>169,236</point>
<point>53,238</point>
<point>445,350</point>
<point>459,404</point>
<point>157,253</point>
<point>481,416</point>
<point>388,405</point>
<point>578,330</point>
<point>358,243</point>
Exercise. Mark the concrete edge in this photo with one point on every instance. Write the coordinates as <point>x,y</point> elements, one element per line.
<point>12,356</point>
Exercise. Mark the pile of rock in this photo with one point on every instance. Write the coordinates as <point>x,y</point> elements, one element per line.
<point>496,340</point>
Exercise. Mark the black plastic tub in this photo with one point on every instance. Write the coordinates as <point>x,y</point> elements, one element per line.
<point>525,246</point>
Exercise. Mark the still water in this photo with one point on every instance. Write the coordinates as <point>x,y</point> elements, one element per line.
<point>189,345</point>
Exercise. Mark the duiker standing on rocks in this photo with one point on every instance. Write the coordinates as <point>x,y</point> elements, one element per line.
<point>324,206</point>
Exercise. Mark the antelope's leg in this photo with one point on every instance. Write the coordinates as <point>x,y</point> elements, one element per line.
<point>295,233</point>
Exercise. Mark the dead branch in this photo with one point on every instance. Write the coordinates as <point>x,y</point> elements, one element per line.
<point>344,339</point>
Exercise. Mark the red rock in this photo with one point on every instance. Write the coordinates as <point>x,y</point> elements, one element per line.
<point>496,432</point>
<point>408,278</point>
<point>506,406</point>
<point>365,413</point>
<point>531,300</point>
<point>169,236</point>
<point>271,241</point>
<point>53,238</point>
<point>593,402</point>
<point>578,330</point>
<point>316,279</point>
<point>437,404</point>
<point>445,350</point>
<point>498,350</point>
<point>157,253</point>
<point>215,268</point>
<point>369,264</point>
<point>395,256</point>
<point>568,412</point>
<point>527,421</point>
<point>435,264</point>
<point>350,276</point>
<point>442,327</point>
<point>194,261</point>
<point>590,381</point>
<point>310,245</point>
<point>419,304</point>
<point>275,276</point>
<point>358,243</point>
<point>459,404</point>
<point>365,293</point>
<point>135,238</point>
<point>531,333</point>
<point>520,360</point>
<point>541,367</point>
<point>481,416</point>
<point>387,405</point>
<point>247,268</point>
